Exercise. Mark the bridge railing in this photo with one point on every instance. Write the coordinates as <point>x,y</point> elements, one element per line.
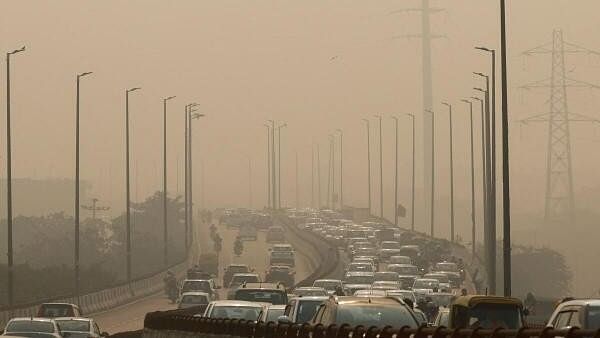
<point>157,325</point>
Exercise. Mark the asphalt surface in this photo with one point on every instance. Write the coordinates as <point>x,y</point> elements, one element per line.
<point>130,317</point>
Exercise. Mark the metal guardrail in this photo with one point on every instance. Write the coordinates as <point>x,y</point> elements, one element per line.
<point>158,325</point>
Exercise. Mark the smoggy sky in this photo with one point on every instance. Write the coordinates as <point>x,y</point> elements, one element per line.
<point>315,65</point>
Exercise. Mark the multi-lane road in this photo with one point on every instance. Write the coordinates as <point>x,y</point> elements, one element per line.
<point>131,316</point>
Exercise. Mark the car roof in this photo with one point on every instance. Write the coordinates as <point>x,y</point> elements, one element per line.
<point>428,279</point>
<point>276,307</point>
<point>67,304</point>
<point>309,288</point>
<point>238,265</point>
<point>401,265</point>
<point>237,303</point>
<point>359,273</point>
<point>247,274</point>
<point>588,301</point>
<point>261,286</point>
<point>196,280</point>
<point>37,319</point>
<point>195,293</point>
<point>311,298</point>
<point>473,300</point>
<point>83,319</point>
<point>366,300</point>
<point>386,273</point>
<point>328,280</point>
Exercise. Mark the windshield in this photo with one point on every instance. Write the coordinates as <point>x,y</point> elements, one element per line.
<point>238,280</point>
<point>390,245</point>
<point>196,286</point>
<point>30,326</point>
<point>73,325</point>
<point>263,296</point>
<point>360,267</point>
<point>237,269</point>
<point>375,315</point>
<point>306,310</point>
<point>426,284</point>
<point>194,299</point>
<point>404,270</point>
<point>446,267</point>
<point>388,277</point>
<point>327,285</point>
<point>359,279</point>
<point>491,316</point>
<point>310,292</point>
<point>273,314</point>
<point>236,312</point>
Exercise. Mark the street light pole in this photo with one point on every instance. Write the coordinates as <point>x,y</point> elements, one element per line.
<point>273,182</point>
<point>329,173</point>
<point>128,185</point>
<point>165,227</point>
<point>472,178</point>
<point>77,279</point>
<point>268,165</point>
<point>483,163</point>
<point>191,116</point>
<point>341,169</point>
<point>9,217</point>
<point>319,177</point>
<point>396,174</point>
<point>412,183</point>
<point>432,215</point>
<point>452,232</point>
<point>368,161</point>
<point>380,169</point>
<point>279,164</point>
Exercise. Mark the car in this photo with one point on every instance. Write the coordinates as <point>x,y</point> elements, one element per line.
<point>310,291</point>
<point>282,258</point>
<point>359,277</point>
<point>79,327</point>
<point>452,271</point>
<point>365,311</point>
<point>387,276</point>
<point>51,310</point>
<point>369,293</point>
<point>32,327</point>
<point>407,273</point>
<point>248,232</point>
<point>300,310</point>
<point>360,267</point>
<point>241,278</point>
<point>200,285</point>
<point>271,313</point>
<point>282,247</point>
<point>583,313</point>
<point>231,270</point>
<point>442,317</point>
<point>426,285</point>
<point>412,251</point>
<point>328,284</point>
<point>386,285</point>
<point>402,294</point>
<point>280,274</point>
<point>234,309</point>
<point>389,249</point>
<point>192,299</point>
<point>261,292</point>
<point>400,260</point>
<point>275,234</point>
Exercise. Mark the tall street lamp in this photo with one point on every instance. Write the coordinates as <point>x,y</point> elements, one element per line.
<point>412,183</point>
<point>432,214</point>
<point>165,227</point>
<point>268,165</point>
<point>279,164</point>
<point>9,217</point>
<point>380,169</point>
<point>127,184</point>
<point>472,178</point>
<point>483,162</point>
<point>367,124</point>
<point>188,214</point>
<point>273,182</point>
<point>451,174</point>
<point>341,168</point>
<point>396,173</point>
<point>191,116</point>
<point>77,279</point>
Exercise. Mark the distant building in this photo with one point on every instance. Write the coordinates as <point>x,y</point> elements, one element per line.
<point>39,197</point>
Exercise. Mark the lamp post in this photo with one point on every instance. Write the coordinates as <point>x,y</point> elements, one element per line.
<point>412,183</point>
<point>165,227</point>
<point>128,185</point>
<point>273,182</point>
<point>268,165</point>
<point>191,116</point>
<point>380,169</point>
<point>341,168</point>
<point>396,173</point>
<point>318,178</point>
<point>368,161</point>
<point>432,215</point>
<point>9,217</point>
<point>329,173</point>
<point>279,164</point>
<point>451,174</point>
<point>472,178</point>
<point>77,279</point>
<point>483,161</point>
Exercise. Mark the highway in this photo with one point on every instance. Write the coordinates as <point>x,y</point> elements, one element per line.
<point>131,316</point>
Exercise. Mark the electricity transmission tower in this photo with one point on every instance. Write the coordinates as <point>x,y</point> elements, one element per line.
<point>427,91</point>
<point>559,199</point>
<point>94,208</point>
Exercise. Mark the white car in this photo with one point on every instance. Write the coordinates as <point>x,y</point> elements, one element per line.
<point>235,309</point>
<point>193,298</point>
<point>79,327</point>
<point>583,313</point>
<point>328,284</point>
<point>32,327</point>
<point>300,310</point>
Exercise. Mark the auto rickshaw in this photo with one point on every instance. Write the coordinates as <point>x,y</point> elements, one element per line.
<point>487,312</point>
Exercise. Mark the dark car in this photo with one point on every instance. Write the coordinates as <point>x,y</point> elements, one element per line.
<point>280,274</point>
<point>261,293</point>
<point>52,310</point>
<point>282,258</point>
<point>365,311</point>
<point>231,270</point>
<point>275,235</point>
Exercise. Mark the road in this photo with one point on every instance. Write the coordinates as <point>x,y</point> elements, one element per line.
<point>131,316</point>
